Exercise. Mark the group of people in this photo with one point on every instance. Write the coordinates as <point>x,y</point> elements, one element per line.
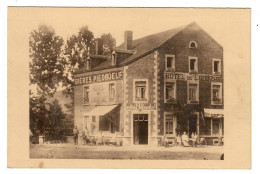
<point>76,136</point>
<point>185,140</point>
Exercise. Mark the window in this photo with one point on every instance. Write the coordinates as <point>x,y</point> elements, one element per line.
<point>169,124</point>
<point>86,95</point>
<point>170,92</point>
<point>140,91</point>
<point>93,118</point>
<point>111,91</point>
<point>215,126</point>
<point>170,62</point>
<point>86,123</point>
<point>193,44</point>
<point>216,93</point>
<point>193,64</point>
<point>216,66</point>
<point>205,127</point>
<point>193,93</point>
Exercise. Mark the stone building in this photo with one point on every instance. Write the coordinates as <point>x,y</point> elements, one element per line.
<point>154,88</point>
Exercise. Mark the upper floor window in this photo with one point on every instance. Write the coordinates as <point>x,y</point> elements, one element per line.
<point>193,93</point>
<point>111,91</point>
<point>169,62</point>
<point>170,92</point>
<point>216,93</point>
<point>216,66</point>
<point>140,90</point>
<point>193,44</point>
<point>85,94</point>
<point>193,64</point>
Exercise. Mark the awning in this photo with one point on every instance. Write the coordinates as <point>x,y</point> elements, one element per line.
<point>214,113</point>
<point>100,110</point>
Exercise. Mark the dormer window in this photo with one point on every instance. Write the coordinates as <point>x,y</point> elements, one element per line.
<point>193,44</point>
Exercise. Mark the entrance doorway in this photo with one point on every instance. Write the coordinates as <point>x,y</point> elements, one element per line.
<point>192,124</point>
<point>140,128</point>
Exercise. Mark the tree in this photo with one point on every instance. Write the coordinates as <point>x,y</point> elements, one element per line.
<point>46,72</point>
<point>54,125</point>
<point>46,64</point>
<point>108,43</point>
<point>75,52</point>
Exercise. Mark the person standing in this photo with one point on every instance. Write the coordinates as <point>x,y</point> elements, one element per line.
<point>76,136</point>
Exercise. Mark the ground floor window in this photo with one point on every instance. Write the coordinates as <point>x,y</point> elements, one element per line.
<point>216,126</point>
<point>169,124</point>
<point>205,126</point>
<point>212,126</point>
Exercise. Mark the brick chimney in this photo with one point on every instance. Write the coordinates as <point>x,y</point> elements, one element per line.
<point>98,46</point>
<point>128,40</point>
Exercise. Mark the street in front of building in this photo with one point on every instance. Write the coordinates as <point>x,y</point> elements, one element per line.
<point>65,151</point>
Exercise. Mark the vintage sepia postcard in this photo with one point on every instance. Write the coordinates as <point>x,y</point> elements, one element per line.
<point>136,87</point>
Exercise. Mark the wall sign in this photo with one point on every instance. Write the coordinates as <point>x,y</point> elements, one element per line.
<point>117,75</point>
<point>187,76</point>
<point>144,106</point>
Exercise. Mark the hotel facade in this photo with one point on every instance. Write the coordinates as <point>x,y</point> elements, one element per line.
<point>153,88</point>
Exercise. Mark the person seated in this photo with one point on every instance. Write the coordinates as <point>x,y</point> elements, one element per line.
<point>194,138</point>
<point>185,139</point>
<point>178,140</point>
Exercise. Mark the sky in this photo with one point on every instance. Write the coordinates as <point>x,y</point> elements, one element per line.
<point>116,20</point>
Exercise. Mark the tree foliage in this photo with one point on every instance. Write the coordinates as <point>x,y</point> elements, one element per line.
<point>46,64</point>
<point>46,72</point>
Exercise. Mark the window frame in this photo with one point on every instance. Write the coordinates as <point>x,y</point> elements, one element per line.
<point>195,66</point>
<point>196,45</point>
<point>197,92</point>
<point>220,91</point>
<point>86,103</point>
<point>175,96</point>
<point>173,62</point>
<point>219,66</point>
<point>146,90</point>
<point>109,92</point>
<point>174,123</point>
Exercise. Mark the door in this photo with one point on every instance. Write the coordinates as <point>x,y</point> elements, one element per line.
<point>140,128</point>
<point>192,124</point>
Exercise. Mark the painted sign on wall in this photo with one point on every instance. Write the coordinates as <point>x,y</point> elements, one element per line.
<point>144,106</point>
<point>188,76</point>
<point>96,78</point>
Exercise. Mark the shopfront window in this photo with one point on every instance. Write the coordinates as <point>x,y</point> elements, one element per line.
<point>86,94</point>
<point>215,126</point>
<point>169,124</point>
<point>140,91</point>
<point>205,126</point>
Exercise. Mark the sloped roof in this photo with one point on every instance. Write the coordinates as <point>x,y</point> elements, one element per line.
<point>145,45</point>
<point>142,46</point>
